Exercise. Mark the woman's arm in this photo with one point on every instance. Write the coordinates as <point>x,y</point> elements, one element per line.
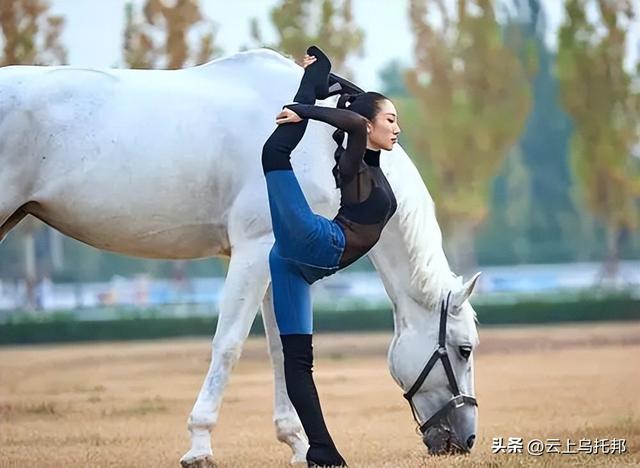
<point>351,122</point>
<point>343,119</point>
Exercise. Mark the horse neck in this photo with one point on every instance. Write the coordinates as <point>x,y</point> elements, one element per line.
<point>409,255</point>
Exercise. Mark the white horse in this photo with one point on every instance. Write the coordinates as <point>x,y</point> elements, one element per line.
<point>166,164</point>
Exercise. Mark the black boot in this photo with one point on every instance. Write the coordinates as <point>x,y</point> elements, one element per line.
<point>298,364</point>
<point>315,81</point>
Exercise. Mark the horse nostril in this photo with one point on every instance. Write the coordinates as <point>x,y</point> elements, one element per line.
<point>471,440</point>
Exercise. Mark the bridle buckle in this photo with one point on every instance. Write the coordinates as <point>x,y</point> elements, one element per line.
<point>457,401</point>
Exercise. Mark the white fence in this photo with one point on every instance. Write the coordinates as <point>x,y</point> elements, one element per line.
<point>344,287</point>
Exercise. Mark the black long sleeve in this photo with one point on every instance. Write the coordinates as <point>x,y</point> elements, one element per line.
<point>354,124</point>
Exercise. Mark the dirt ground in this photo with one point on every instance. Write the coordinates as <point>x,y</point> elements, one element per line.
<point>125,404</point>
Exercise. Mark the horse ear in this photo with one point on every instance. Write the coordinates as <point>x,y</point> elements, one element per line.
<point>465,291</point>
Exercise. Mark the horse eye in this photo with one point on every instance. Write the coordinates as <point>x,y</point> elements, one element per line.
<point>465,351</point>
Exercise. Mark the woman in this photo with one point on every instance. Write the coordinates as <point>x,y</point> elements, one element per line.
<point>308,246</point>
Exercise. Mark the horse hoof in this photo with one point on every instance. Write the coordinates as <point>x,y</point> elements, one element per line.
<point>202,461</point>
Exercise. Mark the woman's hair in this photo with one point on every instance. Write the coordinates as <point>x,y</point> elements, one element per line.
<point>367,105</point>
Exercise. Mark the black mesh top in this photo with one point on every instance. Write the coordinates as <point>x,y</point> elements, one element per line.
<point>366,198</point>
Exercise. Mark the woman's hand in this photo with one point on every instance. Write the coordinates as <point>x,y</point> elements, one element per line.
<point>287,116</point>
<point>308,60</point>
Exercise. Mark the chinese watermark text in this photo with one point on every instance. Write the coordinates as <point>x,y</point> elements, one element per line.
<point>537,447</point>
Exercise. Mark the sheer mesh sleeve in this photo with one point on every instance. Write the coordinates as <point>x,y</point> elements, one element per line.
<point>354,124</point>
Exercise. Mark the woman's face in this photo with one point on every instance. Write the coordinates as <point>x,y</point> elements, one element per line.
<point>384,130</point>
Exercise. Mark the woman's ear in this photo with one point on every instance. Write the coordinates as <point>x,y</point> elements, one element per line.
<point>369,127</point>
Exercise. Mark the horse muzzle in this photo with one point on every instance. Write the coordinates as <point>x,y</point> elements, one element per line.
<point>451,430</point>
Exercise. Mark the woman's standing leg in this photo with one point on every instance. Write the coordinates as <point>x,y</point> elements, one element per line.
<point>293,221</point>
<point>294,316</point>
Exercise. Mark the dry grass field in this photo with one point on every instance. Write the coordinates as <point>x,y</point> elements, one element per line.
<point>125,404</point>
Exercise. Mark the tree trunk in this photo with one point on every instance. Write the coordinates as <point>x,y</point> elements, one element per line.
<point>29,244</point>
<point>57,251</point>
<point>460,247</point>
<point>610,270</point>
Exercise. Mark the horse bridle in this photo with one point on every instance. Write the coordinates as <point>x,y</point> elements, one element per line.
<point>459,399</point>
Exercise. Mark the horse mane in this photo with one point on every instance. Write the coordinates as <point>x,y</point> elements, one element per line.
<point>430,276</point>
<point>420,233</point>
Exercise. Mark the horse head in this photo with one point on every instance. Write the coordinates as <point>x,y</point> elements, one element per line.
<point>432,361</point>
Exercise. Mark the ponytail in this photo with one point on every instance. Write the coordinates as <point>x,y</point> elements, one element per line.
<point>338,135</point>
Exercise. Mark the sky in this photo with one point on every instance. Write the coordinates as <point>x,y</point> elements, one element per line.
<point>93,32</point>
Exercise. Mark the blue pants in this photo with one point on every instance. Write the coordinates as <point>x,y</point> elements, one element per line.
<point>307,247</point>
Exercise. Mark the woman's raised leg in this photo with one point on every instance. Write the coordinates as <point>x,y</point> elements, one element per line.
<point>291,217</point>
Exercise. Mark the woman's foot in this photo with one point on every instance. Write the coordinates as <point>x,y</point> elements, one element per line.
<point>321,457</point>
<point>311,464</point>
<point>315,81</point>
<point>339,85</point>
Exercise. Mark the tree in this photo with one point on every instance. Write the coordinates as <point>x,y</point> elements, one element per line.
<point>392,78</point>
<point>544,145</point>
<point>473,94</point>
<point>295,21</point>
<point>599,95</point>
<point>533,218</point>
<point>30,36</point>
<point>143,49</point>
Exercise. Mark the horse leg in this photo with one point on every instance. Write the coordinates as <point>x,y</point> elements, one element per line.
<point>10,217</point>
<point>288,426</point>
<point>244,287</point>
